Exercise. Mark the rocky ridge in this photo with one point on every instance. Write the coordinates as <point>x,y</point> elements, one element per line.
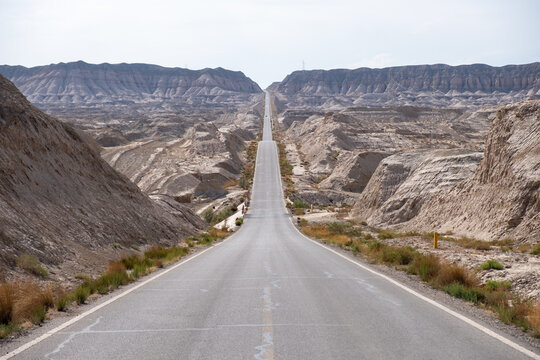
<point>83,83</point>
<point>437,85</point>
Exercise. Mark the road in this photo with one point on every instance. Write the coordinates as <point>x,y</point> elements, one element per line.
<point>267,292</point>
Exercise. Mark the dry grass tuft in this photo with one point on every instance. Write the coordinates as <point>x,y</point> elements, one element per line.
<point>449,274</point>
<point>534,319</point>
<point>31,264</point>
<point>6,303</point>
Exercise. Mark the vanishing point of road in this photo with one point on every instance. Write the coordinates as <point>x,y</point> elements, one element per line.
<point>267,292</point>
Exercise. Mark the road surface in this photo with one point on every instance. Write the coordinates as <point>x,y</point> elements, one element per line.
<point>267,292</point>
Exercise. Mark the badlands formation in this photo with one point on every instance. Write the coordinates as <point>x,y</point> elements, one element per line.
<point>175,133</point>
<point>418,149</point>
<point>423,148</point>
<point>61,202</point>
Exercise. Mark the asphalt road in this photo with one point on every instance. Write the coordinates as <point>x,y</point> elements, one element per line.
<point>269,293</point>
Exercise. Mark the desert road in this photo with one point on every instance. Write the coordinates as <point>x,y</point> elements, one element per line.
<point>267,292</point>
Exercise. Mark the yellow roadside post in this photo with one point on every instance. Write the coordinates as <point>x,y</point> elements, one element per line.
<point>435,238</point>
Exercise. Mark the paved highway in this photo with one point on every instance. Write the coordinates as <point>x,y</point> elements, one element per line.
<point>267,292</point>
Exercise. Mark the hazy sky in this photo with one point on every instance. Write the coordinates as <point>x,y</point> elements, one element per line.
<point>269,39</point>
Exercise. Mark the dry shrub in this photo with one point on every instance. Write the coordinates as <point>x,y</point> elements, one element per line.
<point>6,303</point>
<point>116,267</point>
<point>534,319</point>
<point>469,243</point>
<point>339,239</point>
<point>426,266</point>
<point>32,302</point>
<point>449,274</point>
<point>316,231</point>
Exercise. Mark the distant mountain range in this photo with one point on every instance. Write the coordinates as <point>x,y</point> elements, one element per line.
<point>424,85</point>
<point>58,87</point>
<point>79,82</point>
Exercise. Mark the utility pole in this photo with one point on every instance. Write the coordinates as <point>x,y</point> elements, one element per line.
<point>303,65</point>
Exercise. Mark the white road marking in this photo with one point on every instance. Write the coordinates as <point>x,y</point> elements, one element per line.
<point>461,317</point>
<point>96,308</point>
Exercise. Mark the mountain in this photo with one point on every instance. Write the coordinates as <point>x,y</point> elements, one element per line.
<point>79,82</point>
<point>61,202</point>
<point>420,85</point>
<point>495,198</point>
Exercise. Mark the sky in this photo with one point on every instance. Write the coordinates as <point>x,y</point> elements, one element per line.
<point>268,39</point>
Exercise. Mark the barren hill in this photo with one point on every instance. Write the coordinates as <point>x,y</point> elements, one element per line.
<point>421,85</point>
<point>79,82</point>
<point>499,199</point>
<point>62,203</point>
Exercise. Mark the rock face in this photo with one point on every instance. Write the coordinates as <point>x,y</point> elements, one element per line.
<point>341,150</point>
<point>62,203</point>
<point>423,85</point>
<point>500,199</point>
<point>79,82</point>
<point>403,182</point>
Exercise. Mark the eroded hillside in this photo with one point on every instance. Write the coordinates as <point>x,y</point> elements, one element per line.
<point>60,202</point>
<point>499,199</point>
<point>437,85</point>
<point>336,153</point>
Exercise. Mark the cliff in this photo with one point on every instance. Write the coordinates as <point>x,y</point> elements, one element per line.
<point>421,85</point>
<point>79,82</point>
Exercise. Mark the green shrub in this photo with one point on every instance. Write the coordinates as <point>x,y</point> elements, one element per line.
<point>491,264</point>
<point>62,303</point>
<point>337,228</point>
<point>426,266</point>
<point>375,246</point>
<point>8,329</point>
<point>131,261</point>
<point>536,249</point>
<point>208,215</point>
<point>239,221</point>
<point>493,285</point>
<point>461,291</point>
<point>386,235</point>
<point>31,264</point>
<point>81,293</point>
<point>38,315</point>
<point>398,255</point>
<point>300,205</point>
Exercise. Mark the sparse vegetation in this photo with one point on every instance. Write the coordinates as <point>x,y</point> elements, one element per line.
<point>300,205</point>
<point>208,215</point>
<point>31,264</point>
<point>285,167</point>
<point>23,303</point>
<point>463,292</point>
<point>491,264</point>
<point>493,285</point>
<point>536,249</point>
<point>246,179</point>
<point>453,279</point>
<point>386,235</point>
<point>213,218</point>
